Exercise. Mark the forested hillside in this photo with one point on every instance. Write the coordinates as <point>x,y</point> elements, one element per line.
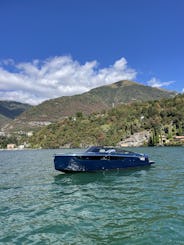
<point>163,118</point>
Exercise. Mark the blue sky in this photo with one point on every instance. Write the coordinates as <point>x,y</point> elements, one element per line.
<point>52,48</point>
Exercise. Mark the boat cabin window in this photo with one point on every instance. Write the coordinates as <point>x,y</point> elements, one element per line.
<point>91,157</point>
<point>94,158</point>
<point>101,149</point>
<point>111,150</point>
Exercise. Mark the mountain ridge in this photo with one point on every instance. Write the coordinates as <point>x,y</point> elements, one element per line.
<point>95,100</point>
<point>9,110</point>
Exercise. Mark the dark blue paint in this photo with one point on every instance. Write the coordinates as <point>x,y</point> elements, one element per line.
<point>100,158</point>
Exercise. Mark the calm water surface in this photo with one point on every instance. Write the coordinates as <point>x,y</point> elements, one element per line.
<point>38,205</point>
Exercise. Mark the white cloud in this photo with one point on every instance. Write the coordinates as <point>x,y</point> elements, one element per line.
<point>154,82</point>
<point>36,81</point>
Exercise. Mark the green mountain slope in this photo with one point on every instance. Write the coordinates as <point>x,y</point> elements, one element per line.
<point>127,91</point>
<point>9,110</point>
<point>3,121</point>
<point>55,109</point>
<point>96,100</point>
<point>164,119</point>
<point>12,109</point>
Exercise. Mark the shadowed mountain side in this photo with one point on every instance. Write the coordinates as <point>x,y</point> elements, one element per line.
<point>9,110</point>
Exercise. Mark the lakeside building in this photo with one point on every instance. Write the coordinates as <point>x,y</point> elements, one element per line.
<point>11,146</point>
<point>179,139</point>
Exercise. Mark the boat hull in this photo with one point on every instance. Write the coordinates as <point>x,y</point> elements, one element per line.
<point>67,163</point>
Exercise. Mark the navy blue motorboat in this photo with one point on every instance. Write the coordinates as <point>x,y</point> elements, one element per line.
<point>98,158</point>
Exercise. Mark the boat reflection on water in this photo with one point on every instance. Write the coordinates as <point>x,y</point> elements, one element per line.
<point>72,178</point>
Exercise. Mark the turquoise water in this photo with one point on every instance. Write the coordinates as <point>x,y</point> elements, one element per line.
<point>38,205</point>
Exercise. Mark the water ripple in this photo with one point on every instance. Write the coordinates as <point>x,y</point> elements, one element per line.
<point>142,206</point>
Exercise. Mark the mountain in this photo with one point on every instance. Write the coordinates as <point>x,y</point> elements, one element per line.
<point>96,100</point>
<point>4,120</point>
<point>126,91</point>
<point>151,123</point>
<point>9,110</point>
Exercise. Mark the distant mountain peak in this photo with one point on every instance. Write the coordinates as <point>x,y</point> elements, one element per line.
<point>122,83</point>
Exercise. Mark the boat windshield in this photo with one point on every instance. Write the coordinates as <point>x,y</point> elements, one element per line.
<point>103,149</point>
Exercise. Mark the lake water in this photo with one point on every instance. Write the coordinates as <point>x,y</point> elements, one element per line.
<point>38,205</point>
